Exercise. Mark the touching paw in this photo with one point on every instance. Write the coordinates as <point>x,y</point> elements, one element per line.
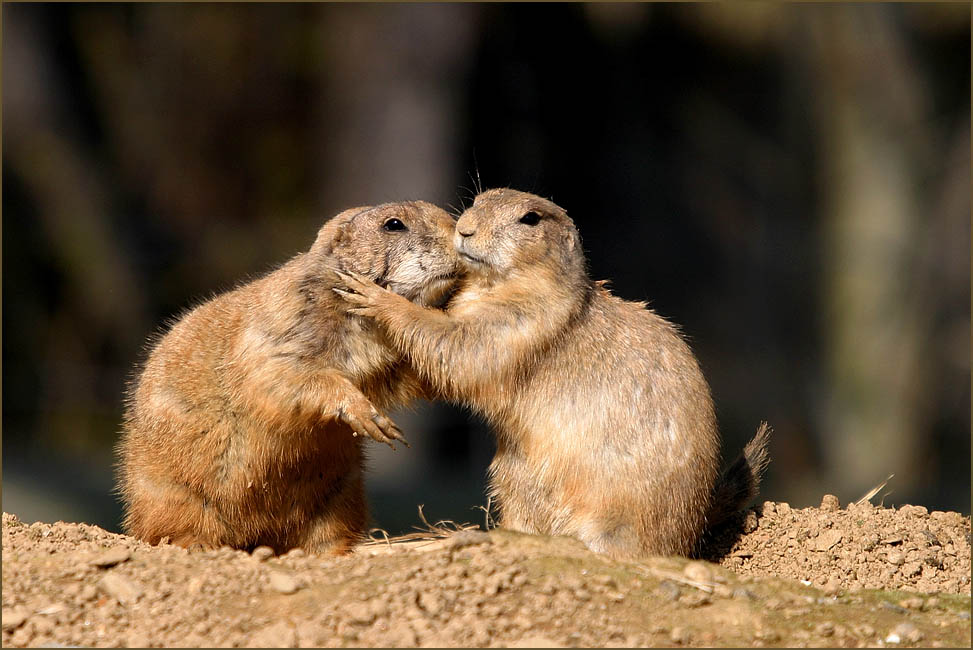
<point>360,292</point>
<point>364,420</point>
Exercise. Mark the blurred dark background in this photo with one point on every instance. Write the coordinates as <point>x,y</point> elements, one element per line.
<point>789,183</point>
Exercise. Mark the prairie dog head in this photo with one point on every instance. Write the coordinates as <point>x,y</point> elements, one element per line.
<point>506,230</point>
<point>406,247</point>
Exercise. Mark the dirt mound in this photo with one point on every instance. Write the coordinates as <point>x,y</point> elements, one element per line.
<point>860,546</point>
<point>76,584</point>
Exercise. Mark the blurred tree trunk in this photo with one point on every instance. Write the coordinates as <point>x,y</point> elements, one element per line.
<point>874,127</point>
<point>391,125</point>
<point>101,304</point>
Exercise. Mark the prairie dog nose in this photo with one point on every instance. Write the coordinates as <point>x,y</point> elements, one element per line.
<point>465,227</point>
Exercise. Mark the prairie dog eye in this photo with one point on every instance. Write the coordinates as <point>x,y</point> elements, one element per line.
<point>393,225</point>
<point>531,218</point>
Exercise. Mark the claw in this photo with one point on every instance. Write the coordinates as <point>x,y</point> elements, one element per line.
<point>348,276</point>
<point>390,429</point>
<point>350,296</point>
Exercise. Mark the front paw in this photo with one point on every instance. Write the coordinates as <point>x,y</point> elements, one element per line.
<point>364,420</point>
<point>357,303</point>
<point>362,295</point>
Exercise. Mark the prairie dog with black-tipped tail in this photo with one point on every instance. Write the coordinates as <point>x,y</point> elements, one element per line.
<point>605,426</point>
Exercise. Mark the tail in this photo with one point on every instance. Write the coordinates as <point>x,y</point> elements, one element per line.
<point>740,482</point>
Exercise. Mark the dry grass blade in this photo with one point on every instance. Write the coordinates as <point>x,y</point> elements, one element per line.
<point>375,540</point>
<point>706,587</point>
<point>488,522</point>
<point>440,530</point>
<point>875,490</point>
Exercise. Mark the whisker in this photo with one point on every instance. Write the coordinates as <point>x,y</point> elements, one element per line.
<point>476,167</point>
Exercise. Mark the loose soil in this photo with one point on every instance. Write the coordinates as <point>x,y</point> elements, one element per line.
<point>856,576</point>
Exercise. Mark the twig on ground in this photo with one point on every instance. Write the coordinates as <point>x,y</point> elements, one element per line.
<point>488,522</point>
<point>373,539</point>
<point>676,577</point>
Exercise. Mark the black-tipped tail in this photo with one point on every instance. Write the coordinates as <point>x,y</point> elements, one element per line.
<point>740,482</point>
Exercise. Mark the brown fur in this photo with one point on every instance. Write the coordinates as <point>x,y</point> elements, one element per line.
<point>605,425</point>
<point>739,482</point>
<point>243,427</point>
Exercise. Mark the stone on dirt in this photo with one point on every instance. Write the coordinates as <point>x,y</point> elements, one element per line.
<point>283,583</point>
<point>122,589</point>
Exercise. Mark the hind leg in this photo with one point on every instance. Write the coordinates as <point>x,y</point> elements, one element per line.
<point>339,524</point>
<point>626,537</point>
<point>159,509</point>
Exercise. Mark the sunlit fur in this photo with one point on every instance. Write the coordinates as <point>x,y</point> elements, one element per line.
<point>605,425</point>
<point>231,433</point>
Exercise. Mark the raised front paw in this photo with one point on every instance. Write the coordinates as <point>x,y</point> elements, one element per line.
<point>360,292</point>
<point>364,420</point>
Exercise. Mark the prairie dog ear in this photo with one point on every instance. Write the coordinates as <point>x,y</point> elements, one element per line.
<point>335,230</point>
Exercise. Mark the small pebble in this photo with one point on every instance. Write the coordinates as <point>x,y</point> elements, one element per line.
<point>679,635</point>
<point>111,557</point>
<point>283,583</point>
<point>906,631</point>
<point>120,588</point>
<point>262,553</point>
<point>827,539</point>
<point>698,572</point>
<point>830,503</point>
<point>911,569</point>
<point>832,586</point>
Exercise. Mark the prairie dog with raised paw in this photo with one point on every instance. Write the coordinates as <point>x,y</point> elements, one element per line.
<point>605,426</point>
<point>245,425</point>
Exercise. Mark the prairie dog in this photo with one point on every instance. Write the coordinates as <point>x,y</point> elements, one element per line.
<point>245,425</point>
<point>605,426</point>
